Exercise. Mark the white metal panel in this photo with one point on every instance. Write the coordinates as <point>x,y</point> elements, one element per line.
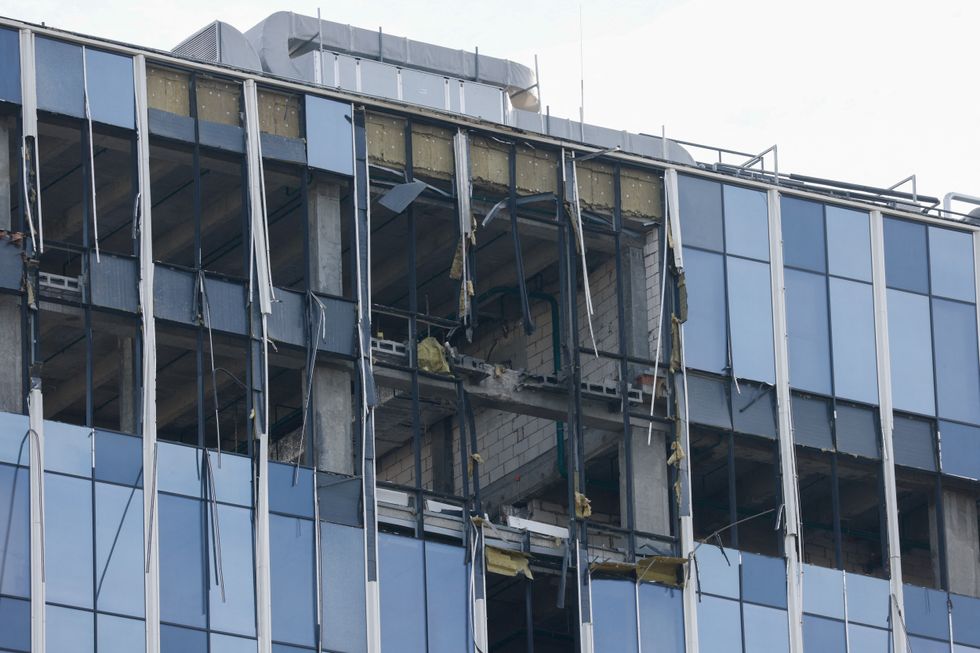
<point>787,452</point>
<point>897,603</point>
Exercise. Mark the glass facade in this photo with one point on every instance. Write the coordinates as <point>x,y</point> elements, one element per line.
<point>219,373</point>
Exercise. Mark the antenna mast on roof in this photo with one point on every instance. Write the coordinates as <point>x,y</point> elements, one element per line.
<point>581,76</point>
<point>318,68</point>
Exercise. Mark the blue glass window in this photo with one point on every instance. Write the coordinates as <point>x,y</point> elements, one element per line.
<point>764,580</point>
<point>68,545</point>
<point>15,531</point>
<point>957,367</point>
<point>719,624</point>
<point>183,561</point>
<point>68,449</point>
<point>118,550</point>
<point>614,616</point>
<point>110,88</point>
<point>906,260</point>
<point>179,469</point>
<point>911,356</point>
<point>961,449</point>
<point>823,591</point>
<point>68,631</point>
<point>808,326</point>
<point>914,443</point>
<point>766,629</point>
<point>329,135</point>
<point>447,597</point>
<point>232,478</point>
<point>849,243</point>
<point>922,645</point>
<point>342,594</point>
<point>15,624</point>
<point>59,77</point>
<point>750,317</point>
<point>402,594</point>
<point>824,635</point>
<point>853,334</point>
<point>803,234</point>
<point>9,66</point>
<point>718,572</point>
<point>746,223</point>
<point>811,422</point>
<point>287,497</point>
<point>661,618</point>
<point>867,600</point>
<point>925,612</point>
<point>700,208</point>
<point>228,644</point>
<point>236,612</point>
<point>868,640</point>
<point>966,619</point>
<point>857,431</point>
<point>182,640</point>
<point>120,635</point>
<point>293,580</point>
<point>706,343</point>
<point>118,458</point>
<point>951,264</point>
<point>13,439</point>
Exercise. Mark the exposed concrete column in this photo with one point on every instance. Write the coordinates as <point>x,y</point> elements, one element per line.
<point>651,491</point>
<point>651,488</point>
<point>127,385</point>
<point>331,392</point>
<point>441,438</point>
<point>961,540</point>
<point>11,336</point>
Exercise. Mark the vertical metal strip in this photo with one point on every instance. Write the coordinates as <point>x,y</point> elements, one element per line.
<point>690,596</point>
<point>260,274</point>
<point>362,273</point>
<point>897,602</point>
<point>35,409</point>
<point>481,634</point>
<point>792,544</point>
<point>149,412</point>
<point>29,148</point>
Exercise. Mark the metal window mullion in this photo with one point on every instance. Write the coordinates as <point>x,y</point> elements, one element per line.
<point>149,368</point>
<point>792,544</point>
<point>29,138</point>
<point>260,300</point>
<point>362,283</point>
<point>690,591</point>
<point>35,403</point>
<point>896,603</point>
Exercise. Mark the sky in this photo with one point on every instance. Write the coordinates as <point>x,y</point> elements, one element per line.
<point>867,91</point>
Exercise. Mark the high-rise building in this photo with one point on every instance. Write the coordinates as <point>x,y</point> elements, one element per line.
<point>321,339</point>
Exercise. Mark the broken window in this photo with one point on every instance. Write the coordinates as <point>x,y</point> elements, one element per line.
<point>531,616</point>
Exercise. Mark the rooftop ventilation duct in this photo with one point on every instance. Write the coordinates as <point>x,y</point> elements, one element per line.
<point>219,42</point>
<point>284,37</point>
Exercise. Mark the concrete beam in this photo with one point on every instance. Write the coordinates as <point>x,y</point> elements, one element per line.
<point>509,392</point>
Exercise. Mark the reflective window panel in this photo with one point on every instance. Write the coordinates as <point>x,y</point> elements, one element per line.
<point>293,580</point>
<point>803,234</point>
<point>701,217</point>
<point>750,320</point>
<point>15,531</point>
<point>849,243</point>
<point>614,616</point>
<point>746,223</point>
<point>705,339</point>
<point>951,264</point>
<point>909,324</point>
<point>808,331</point>
<point>853,334</point>
<point>906,259</point>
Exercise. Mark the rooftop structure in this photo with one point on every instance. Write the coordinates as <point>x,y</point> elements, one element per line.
<point>320,339</point>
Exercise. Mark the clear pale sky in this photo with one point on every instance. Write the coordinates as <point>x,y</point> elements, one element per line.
<point>868,91</point>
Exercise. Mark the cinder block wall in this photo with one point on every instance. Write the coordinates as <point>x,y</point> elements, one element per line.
<point>506,441</point>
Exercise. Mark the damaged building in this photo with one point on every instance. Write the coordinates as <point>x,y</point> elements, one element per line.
<point>322,339</point>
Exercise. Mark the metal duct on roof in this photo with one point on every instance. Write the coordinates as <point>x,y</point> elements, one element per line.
<point>219,42</point>
<point>284,36</point>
